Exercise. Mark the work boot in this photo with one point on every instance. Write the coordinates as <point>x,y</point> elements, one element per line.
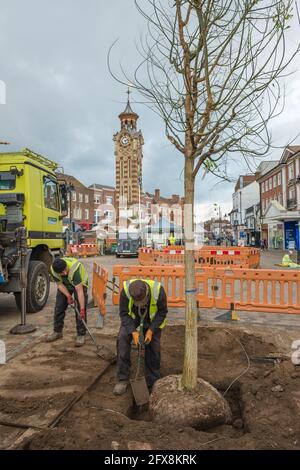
<point>120,388</point>
<point>80,340</point>
<point>54,337</point>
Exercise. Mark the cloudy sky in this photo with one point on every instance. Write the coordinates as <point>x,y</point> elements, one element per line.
<point>62,102</point>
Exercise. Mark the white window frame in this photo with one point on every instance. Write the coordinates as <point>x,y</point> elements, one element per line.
<point>291,171</point>
<point>292,190</point>
<point>270,183</point>
<point>80,197</point>
<point>86,199</point>
<point>279,179</point>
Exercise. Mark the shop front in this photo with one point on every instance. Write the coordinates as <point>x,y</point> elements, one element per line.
<point>275,236</point>
<point>291,235</point>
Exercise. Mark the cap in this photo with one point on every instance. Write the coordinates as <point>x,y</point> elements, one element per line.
<point>138,290</point>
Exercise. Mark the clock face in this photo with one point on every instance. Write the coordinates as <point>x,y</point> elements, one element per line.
<point>125,140</point>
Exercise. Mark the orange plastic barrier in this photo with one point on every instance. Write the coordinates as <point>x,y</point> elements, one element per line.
<point>99,284</point>
<point>241,257</point>
<point>262,290</point>
<point>82,251</point>
<point>171,278</point>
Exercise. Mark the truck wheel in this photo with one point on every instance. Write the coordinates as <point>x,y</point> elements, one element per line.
<point>38,286</point>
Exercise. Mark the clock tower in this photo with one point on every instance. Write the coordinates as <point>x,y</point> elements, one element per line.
<point>129,155</point>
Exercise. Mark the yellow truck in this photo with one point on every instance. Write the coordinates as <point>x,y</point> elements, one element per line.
<point>32,205</point>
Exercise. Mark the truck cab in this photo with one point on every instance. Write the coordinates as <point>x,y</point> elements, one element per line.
<point>32,202</point>
<point>128,247</point>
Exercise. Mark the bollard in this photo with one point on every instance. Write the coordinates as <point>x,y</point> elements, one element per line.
<point>234,315</point>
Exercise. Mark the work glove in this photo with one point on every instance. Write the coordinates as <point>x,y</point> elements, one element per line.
<point>70,299</point>
<point>136,336</point>
<point>82,313</point>
<point>148,336</point>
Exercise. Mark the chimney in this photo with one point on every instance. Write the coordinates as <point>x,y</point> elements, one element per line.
<point>157,194</point>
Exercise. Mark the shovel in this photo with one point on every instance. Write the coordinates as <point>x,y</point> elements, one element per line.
<point>100,350</point>
<point>138,384</point>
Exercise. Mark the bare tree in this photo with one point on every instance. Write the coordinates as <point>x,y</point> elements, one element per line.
<point>212,70</point>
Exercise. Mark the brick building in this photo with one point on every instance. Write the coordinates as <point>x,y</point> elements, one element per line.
<point>158,207</point>
<point>104,204</point>
<point>280,200</point>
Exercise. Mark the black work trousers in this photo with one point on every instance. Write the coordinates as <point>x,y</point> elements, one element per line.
<point>152,357</point>
<point>61,306</point>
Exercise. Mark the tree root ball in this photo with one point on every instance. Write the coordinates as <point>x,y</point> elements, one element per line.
<point>200,409</point>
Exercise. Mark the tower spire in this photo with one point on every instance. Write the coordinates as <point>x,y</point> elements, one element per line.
<point>128,109</point>
<point>128,117</point>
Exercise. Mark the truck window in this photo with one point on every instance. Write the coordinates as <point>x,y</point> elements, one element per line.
<point>51,197</point>
<point>7,181</point>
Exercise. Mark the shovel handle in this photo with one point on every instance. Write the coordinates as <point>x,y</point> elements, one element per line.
<point>85,324</point>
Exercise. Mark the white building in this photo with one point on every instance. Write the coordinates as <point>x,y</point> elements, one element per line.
<point>246,195</point>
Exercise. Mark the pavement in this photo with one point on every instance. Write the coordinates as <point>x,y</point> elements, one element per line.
<point>9,315</point>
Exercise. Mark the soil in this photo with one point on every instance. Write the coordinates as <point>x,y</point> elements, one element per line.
<point>250,369</point>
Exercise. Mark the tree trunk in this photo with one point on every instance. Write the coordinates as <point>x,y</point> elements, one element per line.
<point>190,367</point>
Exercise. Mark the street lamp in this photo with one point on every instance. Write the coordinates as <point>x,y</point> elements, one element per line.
<point>70,189</point>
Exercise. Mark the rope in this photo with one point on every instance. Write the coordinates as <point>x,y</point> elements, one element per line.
<point>248,360</point>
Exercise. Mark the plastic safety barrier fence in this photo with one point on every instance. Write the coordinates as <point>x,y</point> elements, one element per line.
<point>82,251</point>
<point>261,290</point>
<point>99,285</point>
<point>243,257</point>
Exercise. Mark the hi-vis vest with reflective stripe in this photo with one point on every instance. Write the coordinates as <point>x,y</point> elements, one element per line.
<point>172,240</point>
<point>73,265</point>
<point>154,290</point>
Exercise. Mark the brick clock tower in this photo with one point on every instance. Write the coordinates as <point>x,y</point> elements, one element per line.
<point>129,155</point>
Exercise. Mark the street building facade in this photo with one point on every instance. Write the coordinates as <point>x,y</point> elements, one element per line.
<point>245,196</point>
<point>104,204</point>
<point>280,201</point>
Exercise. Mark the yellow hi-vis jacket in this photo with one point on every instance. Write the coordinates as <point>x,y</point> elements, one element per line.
<point>154,290</point>
<point>73,265</point>
<point>288,262</point>
<point>172,240</point>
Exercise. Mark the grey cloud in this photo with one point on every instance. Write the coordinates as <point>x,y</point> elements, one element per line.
<point>62,101</point>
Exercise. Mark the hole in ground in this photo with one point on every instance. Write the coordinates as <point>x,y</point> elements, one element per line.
<point>233,397</point>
